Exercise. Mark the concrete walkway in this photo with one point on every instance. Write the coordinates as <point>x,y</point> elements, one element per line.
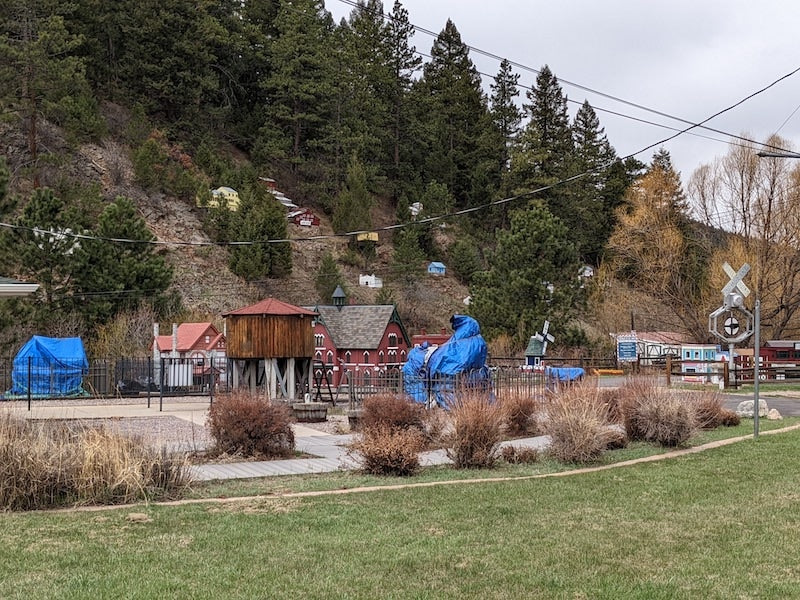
<point>333,456</point>
<point>329,451</point>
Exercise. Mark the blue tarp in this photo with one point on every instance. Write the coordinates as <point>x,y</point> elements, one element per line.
<point>49,367</point>
<point>430,371</point>
<point>564,373</point>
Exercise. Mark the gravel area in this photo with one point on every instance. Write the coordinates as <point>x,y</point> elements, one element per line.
<point>163,431</point>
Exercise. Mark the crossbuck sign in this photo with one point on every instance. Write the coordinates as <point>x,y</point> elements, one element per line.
<point>733,295</point>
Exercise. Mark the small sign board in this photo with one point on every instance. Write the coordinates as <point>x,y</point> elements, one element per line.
<point>626,348</point>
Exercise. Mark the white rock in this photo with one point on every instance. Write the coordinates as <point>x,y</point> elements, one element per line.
<point>745,409</point>
<point>774,415</point>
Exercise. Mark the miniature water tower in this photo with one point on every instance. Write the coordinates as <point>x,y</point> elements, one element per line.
<point>270,348</point>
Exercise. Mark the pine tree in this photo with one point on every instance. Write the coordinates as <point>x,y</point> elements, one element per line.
<point>354,201</point>
<point>506,115</point>
<point>42,246</point>
<point>113,276</point>
<point>593,208</point>
<point>533,276</point>
<point>544,153</point>
<point>299,85</point>
<point>403,62</point>
<point>43,75</point>
<point>364,82</point>
<point>261,221</point>
<point>328,277</point>
<point>452,103</point>
<point>408,258</point>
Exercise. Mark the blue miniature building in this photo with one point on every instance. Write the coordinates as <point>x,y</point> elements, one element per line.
<point>436,268</point>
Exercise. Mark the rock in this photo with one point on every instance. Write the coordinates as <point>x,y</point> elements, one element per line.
<point>745,409</point>
<point>138,518</point>
<point>774,415</point>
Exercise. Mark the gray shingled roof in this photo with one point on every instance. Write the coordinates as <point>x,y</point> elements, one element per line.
<point>535,347</point>
<point>357,326</point>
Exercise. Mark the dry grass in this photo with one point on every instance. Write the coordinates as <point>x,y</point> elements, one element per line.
<point>520,412</point>
<point>578,424</point>
<point>476,433</point>
<point>708,408</point>
<point>519,456</point>
<point>392,410</point>
<point>656,414</point>
<point>45,465</point>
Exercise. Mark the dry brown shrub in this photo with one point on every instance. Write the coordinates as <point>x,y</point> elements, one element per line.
<point>244,424</point>
<point>393,410</point>
<point>577,423</point>
<point>477,430</point>
<point>616,439</point>
<point>729,418</point>
<point>656,414</point>
<point>708,408</point>
<point>385,450</point>
<point>45,464</point>
<point>519,456</point>
<point>613,399</point>
<point>520,412</point>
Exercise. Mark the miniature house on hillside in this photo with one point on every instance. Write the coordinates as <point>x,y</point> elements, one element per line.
<point>224,197</point>
<point>436,268</point>
<point>370,281</point>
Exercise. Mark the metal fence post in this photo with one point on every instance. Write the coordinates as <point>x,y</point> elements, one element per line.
<point>161,388</point>
<point>30,358</point>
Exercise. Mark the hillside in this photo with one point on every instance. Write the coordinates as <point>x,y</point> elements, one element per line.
<point>201,273</point>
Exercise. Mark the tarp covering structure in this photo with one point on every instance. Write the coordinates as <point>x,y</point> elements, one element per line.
<point>49,367</point>
<point>562,375</point>
<point>431,373</point>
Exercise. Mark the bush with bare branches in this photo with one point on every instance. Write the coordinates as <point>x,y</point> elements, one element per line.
<point>520,411</point>
<point>708,408</point>
<point>393,410</point>
<point>657,414</point>
<point>476,433</point>
<point>729,418</point>
<point>45,464</point>
<point>519,456</point>
<point>385,450</point>
<point>577,423</point>
<point>244,424</point>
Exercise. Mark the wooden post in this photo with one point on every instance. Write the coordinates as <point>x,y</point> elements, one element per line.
<point>669,370</point>
<point>726,374</point>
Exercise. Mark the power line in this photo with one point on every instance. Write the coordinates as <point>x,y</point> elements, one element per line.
<point>426,220</point>
<point>522,66</point>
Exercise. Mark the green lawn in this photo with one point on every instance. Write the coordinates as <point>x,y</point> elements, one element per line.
<point>718,524</point>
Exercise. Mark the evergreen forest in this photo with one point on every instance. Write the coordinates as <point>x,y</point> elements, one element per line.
<point>115,114</point>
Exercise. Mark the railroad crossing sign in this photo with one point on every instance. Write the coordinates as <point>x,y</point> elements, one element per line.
<point>731,326</point>
<point>733,295</point>
<point>735,291</point>
<point>545,337</point>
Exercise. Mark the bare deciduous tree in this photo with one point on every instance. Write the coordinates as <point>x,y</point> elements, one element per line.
<point>757,202</point>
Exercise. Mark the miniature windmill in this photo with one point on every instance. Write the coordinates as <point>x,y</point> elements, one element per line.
<point>545,336</point>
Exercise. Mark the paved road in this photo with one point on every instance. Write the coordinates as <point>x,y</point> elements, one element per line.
<point>788,407</point>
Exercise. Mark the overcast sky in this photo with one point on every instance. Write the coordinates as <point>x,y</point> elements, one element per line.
<point>689,59</point>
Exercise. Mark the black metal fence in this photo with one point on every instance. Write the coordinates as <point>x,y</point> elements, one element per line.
<point>498,381</point>
<point>37,377</point>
